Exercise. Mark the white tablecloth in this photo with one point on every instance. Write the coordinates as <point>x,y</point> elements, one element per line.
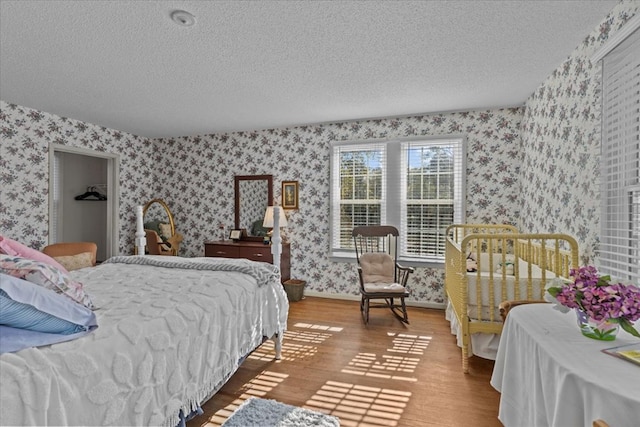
<point>549,374</point>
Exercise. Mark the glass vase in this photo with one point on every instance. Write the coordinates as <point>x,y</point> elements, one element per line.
<point>604,331</point>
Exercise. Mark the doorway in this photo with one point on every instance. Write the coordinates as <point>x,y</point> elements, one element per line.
<point>73,217</point>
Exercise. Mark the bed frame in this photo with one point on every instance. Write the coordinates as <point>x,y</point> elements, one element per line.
<point>171,331</point>
<point>555,253</point>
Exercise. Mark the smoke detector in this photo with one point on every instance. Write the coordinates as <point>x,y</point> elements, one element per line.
<point>183,18</point>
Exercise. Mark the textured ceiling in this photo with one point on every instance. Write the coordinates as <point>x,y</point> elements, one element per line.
<point>253,65</point>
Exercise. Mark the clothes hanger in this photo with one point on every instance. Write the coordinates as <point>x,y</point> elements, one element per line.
<point>91,194</point>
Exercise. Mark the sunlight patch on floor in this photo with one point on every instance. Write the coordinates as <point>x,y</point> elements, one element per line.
<point>291,349</point>
<point>266,352</point>
<point>318,327</point>
<point>389,367</point>
<point>358,405</point>
<point>409,344</point>
<point>259,386</point>
<point>290,352</point>
<point>306,336</point>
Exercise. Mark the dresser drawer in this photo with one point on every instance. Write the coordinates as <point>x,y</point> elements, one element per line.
<point>223,251</point>
<point>253,250</point>
<point>257,253</point>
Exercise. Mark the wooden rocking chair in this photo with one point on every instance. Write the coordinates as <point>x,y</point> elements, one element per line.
<point>381,277</point>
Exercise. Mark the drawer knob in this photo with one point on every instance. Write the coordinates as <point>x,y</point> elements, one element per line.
<point>257,254</point>
<point>221,252</point>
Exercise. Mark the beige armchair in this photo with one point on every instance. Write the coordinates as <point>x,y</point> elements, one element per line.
<point>71,248</point>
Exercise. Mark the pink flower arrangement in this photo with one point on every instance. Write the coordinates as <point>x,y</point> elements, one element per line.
<point>598,298</point>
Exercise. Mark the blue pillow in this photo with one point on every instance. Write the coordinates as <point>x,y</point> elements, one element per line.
<point>46,311</point>
<point>24,316</point>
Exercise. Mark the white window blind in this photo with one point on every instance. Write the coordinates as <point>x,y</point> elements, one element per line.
<point>620,174</point>
<point>431,195</point>
<point>358,190</point>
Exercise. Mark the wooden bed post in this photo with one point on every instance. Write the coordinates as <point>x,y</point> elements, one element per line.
<point>276,240</point>
<point>141,240</point>
<point>277,340</point>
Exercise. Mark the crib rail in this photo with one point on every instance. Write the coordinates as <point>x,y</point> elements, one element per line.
<point>457,232</point>
<point>558,254</point>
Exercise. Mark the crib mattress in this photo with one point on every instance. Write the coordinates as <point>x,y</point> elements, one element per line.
<point>522,284</point>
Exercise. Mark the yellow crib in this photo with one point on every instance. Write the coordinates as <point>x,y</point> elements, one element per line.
<point>509,266</point>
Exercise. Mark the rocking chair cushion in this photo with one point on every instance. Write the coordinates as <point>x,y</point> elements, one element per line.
<point>377,267</point>
<point>384,288</point>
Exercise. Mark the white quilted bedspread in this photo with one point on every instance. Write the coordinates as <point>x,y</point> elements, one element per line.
<point>166,339</point>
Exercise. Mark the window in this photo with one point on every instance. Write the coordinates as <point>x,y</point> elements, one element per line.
<point>429,196</point>
<point>359,191</point>
<point>620,174</point>
<point>417,186</point>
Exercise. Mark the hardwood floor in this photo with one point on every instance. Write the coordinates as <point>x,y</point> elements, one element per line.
<point>381,374</point>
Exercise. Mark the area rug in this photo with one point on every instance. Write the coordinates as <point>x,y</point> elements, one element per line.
<point>256,412</point>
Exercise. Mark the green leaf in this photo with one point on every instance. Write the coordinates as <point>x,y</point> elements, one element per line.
<point>628,326</point>
<point>553,291</point>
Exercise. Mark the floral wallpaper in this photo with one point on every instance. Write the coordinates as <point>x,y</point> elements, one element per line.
<point>25,135</point>
<point>200,190</point>
<point>202,195</point>
<point>561,144</point>
<point>534,166</point>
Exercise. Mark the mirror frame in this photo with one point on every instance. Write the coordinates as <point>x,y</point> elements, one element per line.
<point>240,178</point>
<point>166,208</point>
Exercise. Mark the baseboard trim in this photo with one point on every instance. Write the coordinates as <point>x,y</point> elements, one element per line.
<point>349,297</point>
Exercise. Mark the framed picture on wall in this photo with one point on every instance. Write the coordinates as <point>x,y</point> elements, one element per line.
<point>290,194</point>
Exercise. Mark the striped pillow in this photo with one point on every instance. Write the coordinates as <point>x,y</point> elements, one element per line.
<point>24,316</point>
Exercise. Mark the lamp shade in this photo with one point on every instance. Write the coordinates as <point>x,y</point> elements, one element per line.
<point>268,217</point>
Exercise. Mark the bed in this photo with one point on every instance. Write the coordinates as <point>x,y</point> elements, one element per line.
<point>170,332</point>
<point>490,263</point>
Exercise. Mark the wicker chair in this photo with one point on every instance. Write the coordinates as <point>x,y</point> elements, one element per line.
<point>381,277</point>
<point>156,246</point>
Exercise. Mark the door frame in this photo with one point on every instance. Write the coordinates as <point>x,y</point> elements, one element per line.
<point>113,191</point>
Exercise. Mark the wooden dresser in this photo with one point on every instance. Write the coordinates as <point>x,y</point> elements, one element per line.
<point>255,251</point>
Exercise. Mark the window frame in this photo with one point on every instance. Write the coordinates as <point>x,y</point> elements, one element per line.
<point>394,177</point>
<point>336,202</point>
<point>459,190</point>
<point>620,151</point>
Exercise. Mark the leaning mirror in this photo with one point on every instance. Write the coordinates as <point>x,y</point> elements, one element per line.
<point>160,230</point>
<point>253,194</point>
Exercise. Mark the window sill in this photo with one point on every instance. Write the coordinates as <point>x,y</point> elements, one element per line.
<point>422,263</point>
